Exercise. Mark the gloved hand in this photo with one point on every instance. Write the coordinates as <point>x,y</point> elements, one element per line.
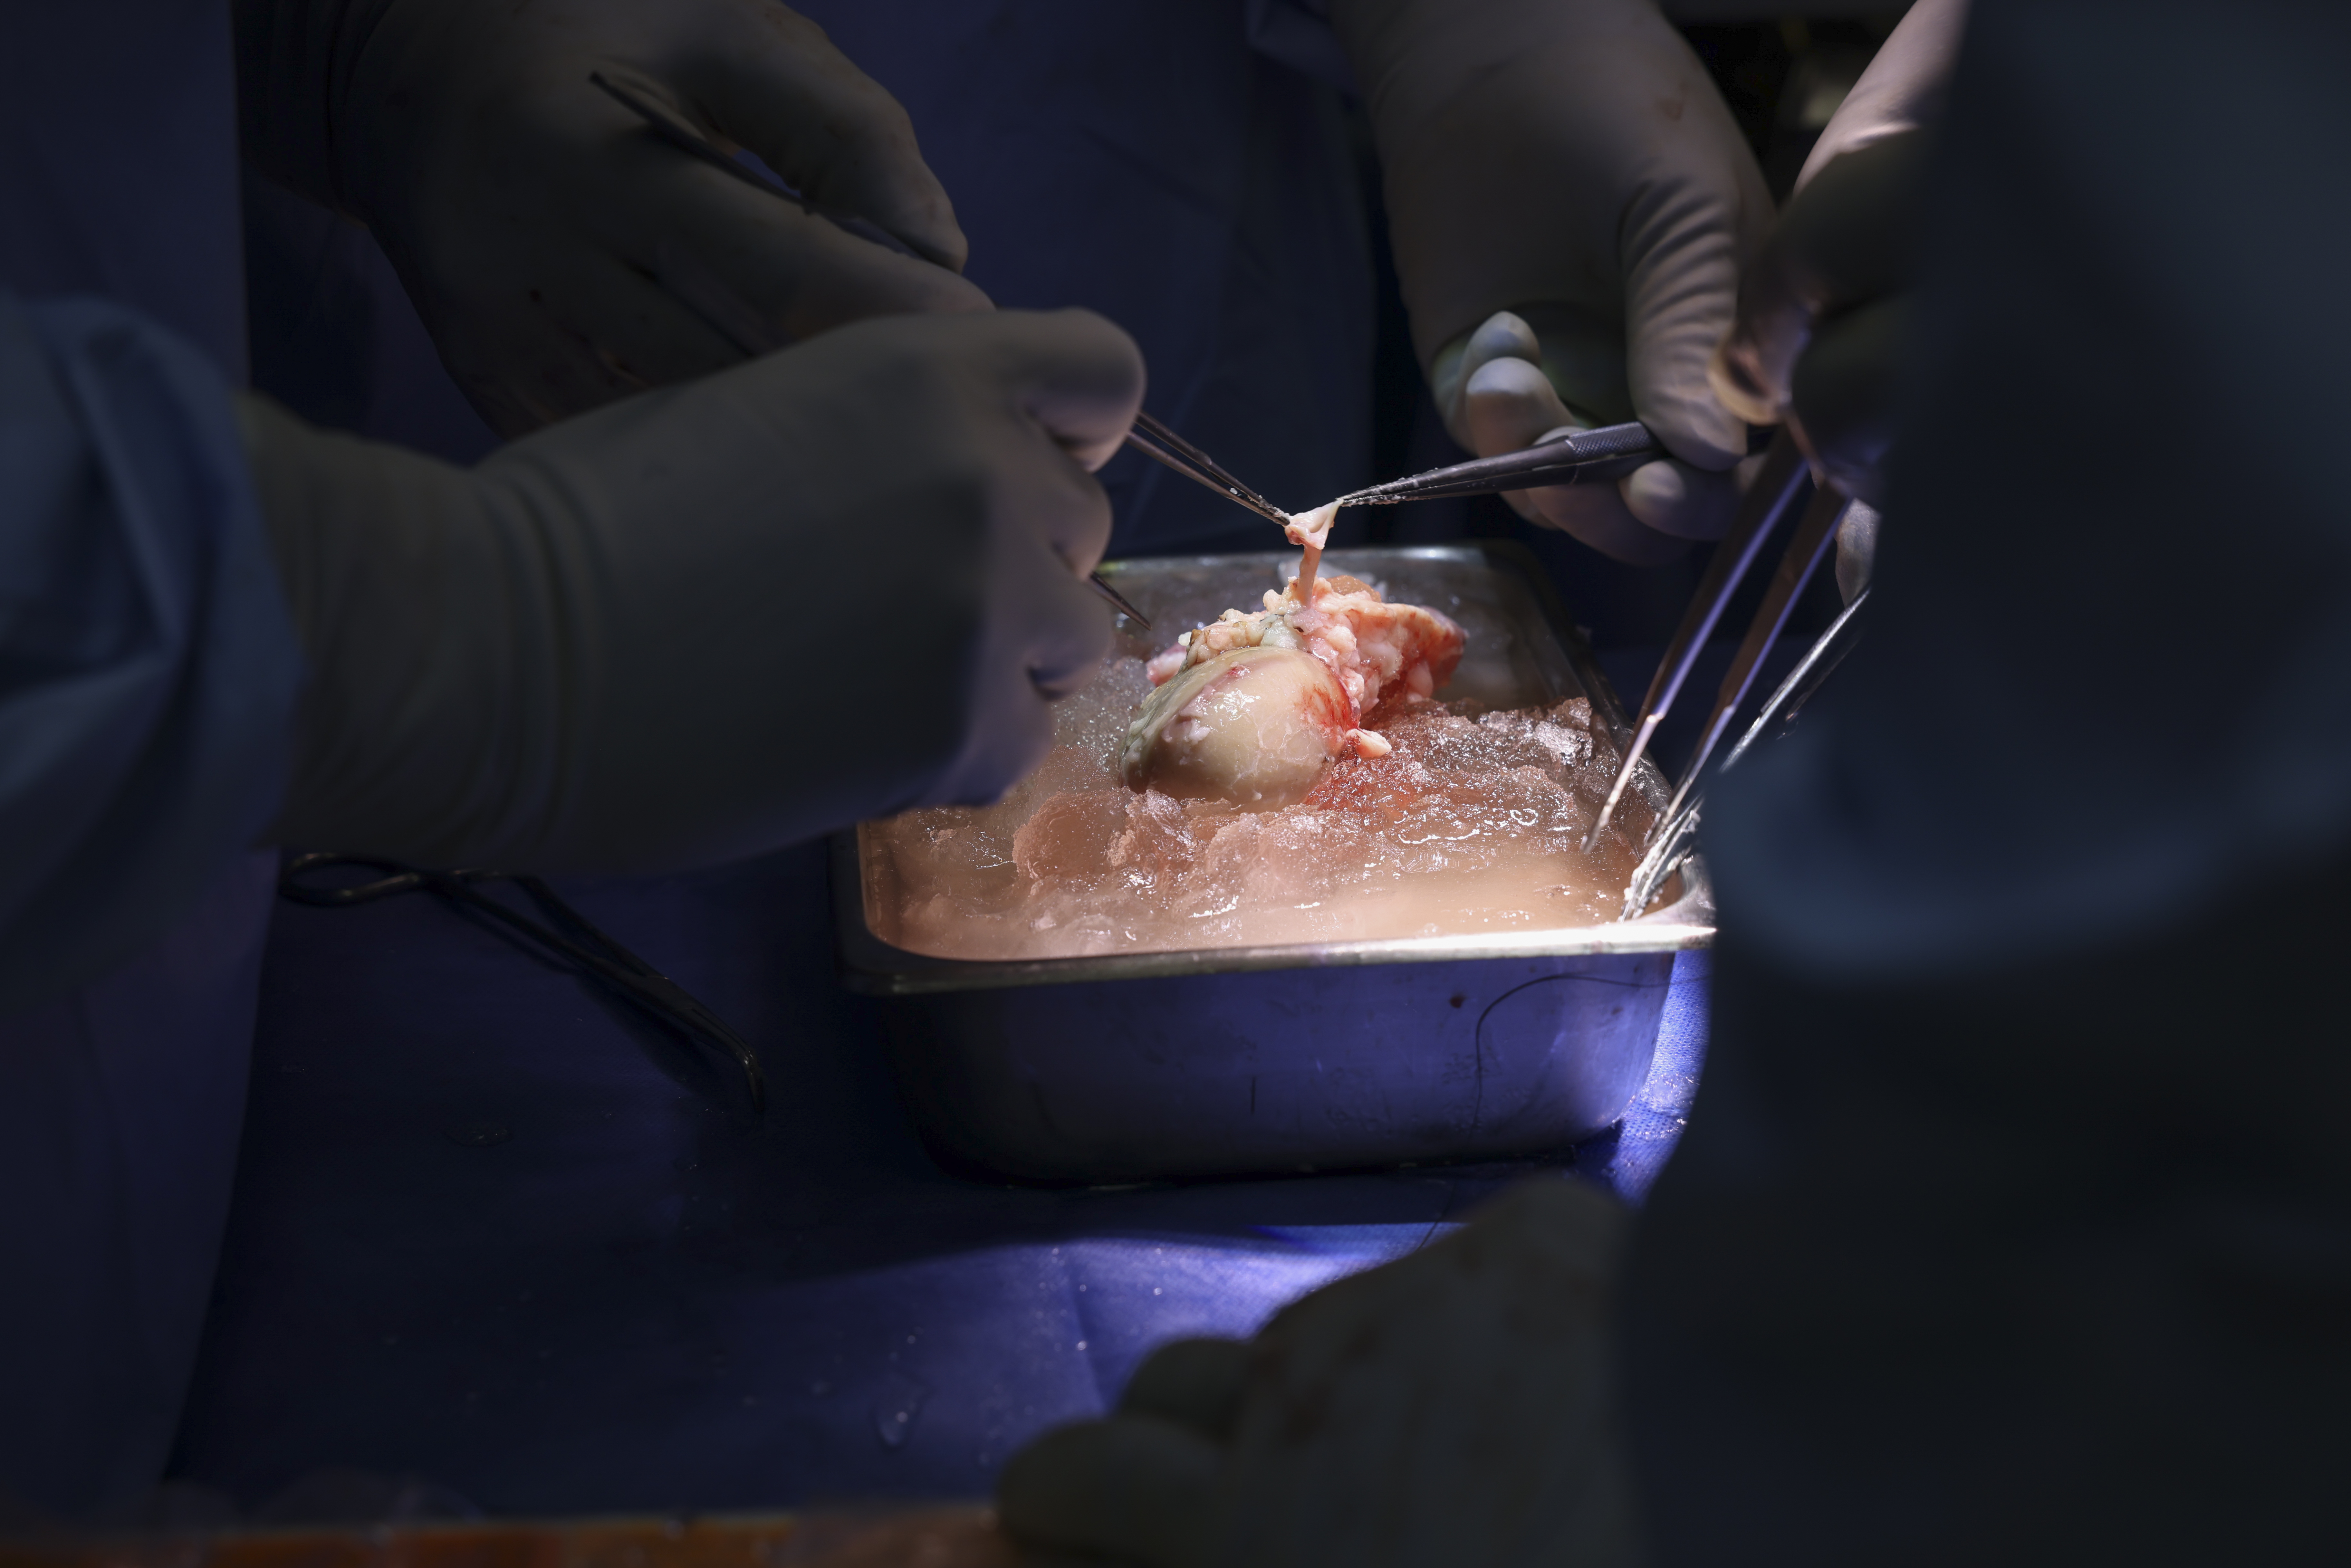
<point>1451,1407</point>
<point>1902,90</point>
<point>1568,161</point>
<point>1821,309</point>
<point>525,209</point>
<point>835,582</point>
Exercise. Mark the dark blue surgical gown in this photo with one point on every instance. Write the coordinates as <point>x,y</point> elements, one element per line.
<point>2014,1222</point>
<point>147,679</point>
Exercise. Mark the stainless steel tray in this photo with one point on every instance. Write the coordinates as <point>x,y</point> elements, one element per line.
<point>1228,1060</point>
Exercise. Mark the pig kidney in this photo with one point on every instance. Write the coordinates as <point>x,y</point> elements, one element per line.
<point>1255,727</point>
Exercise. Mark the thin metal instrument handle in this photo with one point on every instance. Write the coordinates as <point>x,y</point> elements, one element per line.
<point>674,1004</point>
<point>714,300</point>
<point>1150,448</point>
<point>607,960</point>
<point>683,134</point>
<point>1813,536</point>
<point>1783,476</point>
<point>1675,842</point>
<point>1812,672</point>
<point>1217,478</point>
<point>1565,457</point>
<point>615,965</point>
<point>399,878</point>
<point>1568,458</point>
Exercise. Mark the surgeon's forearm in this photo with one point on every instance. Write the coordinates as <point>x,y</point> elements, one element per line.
<point>436,710</point>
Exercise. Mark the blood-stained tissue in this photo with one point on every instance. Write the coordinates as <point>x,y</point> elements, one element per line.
<point>1252,707</point>
<point>1256,726</point>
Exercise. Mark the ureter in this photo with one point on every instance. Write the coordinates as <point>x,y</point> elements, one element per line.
<point>1308,530</point>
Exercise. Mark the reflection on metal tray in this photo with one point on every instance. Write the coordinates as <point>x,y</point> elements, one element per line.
<point>1124,1066</point>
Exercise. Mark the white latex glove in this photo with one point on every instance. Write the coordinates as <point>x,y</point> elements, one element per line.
<point>1816,343</point>
<point>1571,163</point>
<point>1903,88</point>
<point>1448,1410</point>
<point>526,209</point>
<point>706,621</point>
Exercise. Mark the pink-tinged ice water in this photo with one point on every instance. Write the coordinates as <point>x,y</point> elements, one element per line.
<point>1472,824</point>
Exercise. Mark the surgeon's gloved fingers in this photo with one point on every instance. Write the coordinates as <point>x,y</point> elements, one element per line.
<point>1903,89</point>
<point>1014,735</point>
<point>638,296</point>
<point>1070,380</point>
<point>1504,335</point>
<point>1597,515</point>
<point>1081,378</point>
<point>1062,388</point>
<point>1501,336</point>
<point>1132,1488</point>
<point>774,83</point>
<point>577,299</point>
<point>1856,549</point>
<point>1681,291</point>
<point>1195,1383</point>
<point>1842,402</point>
<point>803,273</point>
<point>1046,639</point>
<point>1849,238</point>
<point>1507,404</point>
<point>711,620</point>
<point>1064,634</point>
<point>1580,352</point>
<point>1675,498</point>
<point>597,329</point>
<point>1503,404</point>
<point>472,142</point>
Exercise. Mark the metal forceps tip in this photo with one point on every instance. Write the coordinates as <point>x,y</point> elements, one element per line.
<point>1155,440</point>
<point>709,297</point>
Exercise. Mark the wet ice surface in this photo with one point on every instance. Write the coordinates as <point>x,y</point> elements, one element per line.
<point>1473,824</point>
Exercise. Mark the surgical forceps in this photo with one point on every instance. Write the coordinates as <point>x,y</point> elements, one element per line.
<point>725,312</point>
<point>1573,457</point>
<point>1566,457</point>
<point>1164,446</point>
<point>593,953</point>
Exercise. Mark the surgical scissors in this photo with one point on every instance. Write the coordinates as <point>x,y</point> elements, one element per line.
<point>595,955</point>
